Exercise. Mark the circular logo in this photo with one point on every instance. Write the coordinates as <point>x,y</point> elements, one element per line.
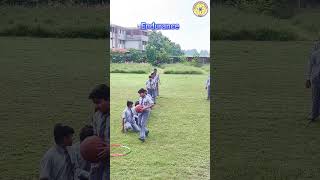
<point>200,9</point>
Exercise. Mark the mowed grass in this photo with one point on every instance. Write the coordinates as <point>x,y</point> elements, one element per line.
<point>70,22</point>
<point>138,68</point>
<point>43,82</point>
<point>178,146</point>
<point>181,69</point>
<point>261,109</point>
<point>302,26</point>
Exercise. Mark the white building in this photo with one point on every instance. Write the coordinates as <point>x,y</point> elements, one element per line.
<point>127,38</point>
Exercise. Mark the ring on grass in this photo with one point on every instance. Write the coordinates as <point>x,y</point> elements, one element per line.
<point>125,150</point>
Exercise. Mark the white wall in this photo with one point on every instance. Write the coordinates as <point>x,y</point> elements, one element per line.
<point>132,44</point>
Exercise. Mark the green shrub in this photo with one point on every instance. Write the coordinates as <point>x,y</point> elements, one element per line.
<point>234,24</point>
<point>136,68</point>
<point>206,67</point>
<point>181,69</point>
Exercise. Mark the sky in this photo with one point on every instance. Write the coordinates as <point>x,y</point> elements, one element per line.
<point>194,32</point>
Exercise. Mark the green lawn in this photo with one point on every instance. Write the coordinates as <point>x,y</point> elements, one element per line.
<point>178,146</point>
<point>43,81</point>
<point>260,108</point>
<point>87,22</point>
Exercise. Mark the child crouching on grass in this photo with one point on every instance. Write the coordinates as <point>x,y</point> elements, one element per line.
<point>128,118</point>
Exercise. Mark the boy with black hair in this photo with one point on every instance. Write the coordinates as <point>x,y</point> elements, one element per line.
<point>56,163</point>
<point>150,86</point>
<point>157,81</point>
<point>128,118</point>
<point>100,96</point>
<point>82,167</point>
<point>147,104</point>
<point>135,113</point>
<point>208,87</point>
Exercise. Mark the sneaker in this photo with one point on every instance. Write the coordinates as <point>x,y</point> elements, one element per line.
<point>311,119</point>
<point>142,140</point>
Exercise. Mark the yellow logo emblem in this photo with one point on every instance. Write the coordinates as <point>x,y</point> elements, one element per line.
<point>200,9</point>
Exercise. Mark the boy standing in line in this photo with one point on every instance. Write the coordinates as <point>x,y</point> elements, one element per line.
<point>150,86</point>
<point>208,87</point>
<point>147,104</point>
<point>100,97</point>
<point>157,81</point>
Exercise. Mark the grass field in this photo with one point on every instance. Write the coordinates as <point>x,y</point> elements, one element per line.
<point>54,21</point>
<point>261,107</point>
<point>179,144</point>
<point>43,81</point>
<point>303,25</point>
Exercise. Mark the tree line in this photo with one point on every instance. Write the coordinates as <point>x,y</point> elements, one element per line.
<point>54,2</point>
<point>159,50</point>
<point>277,8</point>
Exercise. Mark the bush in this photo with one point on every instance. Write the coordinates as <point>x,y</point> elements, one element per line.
<point>233,24</point>
<point>181,69</point>
<point>206,67</point>
<point>136,68</point>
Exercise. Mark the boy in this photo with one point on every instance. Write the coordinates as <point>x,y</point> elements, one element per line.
<point>82,167</point>
<point>136,117</point>
<point>128,118</point>
<point>208,87</point>
<point>147,103</point>
<point>56,163</point>
<point>135,113</point>
<point>157,81</point>
<point>150,86</point>
<point>100,96</point>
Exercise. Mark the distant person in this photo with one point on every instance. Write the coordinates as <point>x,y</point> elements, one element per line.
<point>150,86</point>
<point>100,96</point>
<point>82,167</point>
<point>208,87</point>
<point>56,163</point>
<point>157,81</point>
<point>313,81</point>
<point>147,104</point>
<point>128,118</point>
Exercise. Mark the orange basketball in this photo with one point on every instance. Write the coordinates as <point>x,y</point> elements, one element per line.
<point>139,108</point>
<point>89,148</point>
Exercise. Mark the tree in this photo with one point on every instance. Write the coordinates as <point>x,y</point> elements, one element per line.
<point>160,48</point>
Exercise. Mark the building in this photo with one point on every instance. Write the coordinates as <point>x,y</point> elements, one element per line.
<point>202,59</point>
<point>127,38</point>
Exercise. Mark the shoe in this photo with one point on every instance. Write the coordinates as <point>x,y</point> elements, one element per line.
<point>310,118</point>
<point>142,140</point>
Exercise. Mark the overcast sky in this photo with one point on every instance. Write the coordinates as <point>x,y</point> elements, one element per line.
<point>194,32</point>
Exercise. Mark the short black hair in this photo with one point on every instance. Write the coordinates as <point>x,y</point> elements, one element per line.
<point>61,131</point>
<point>142,90</point>
<point>129,103</point>
<point>85,132</point>
<point>150,76</point>
<point>136,103</point>
<point>155,69</point>
<point>101,91</point>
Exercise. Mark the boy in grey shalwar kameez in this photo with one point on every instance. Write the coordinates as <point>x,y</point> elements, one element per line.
<point>208,88</point>
<point>313,80</point>
<point>128,118</point>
